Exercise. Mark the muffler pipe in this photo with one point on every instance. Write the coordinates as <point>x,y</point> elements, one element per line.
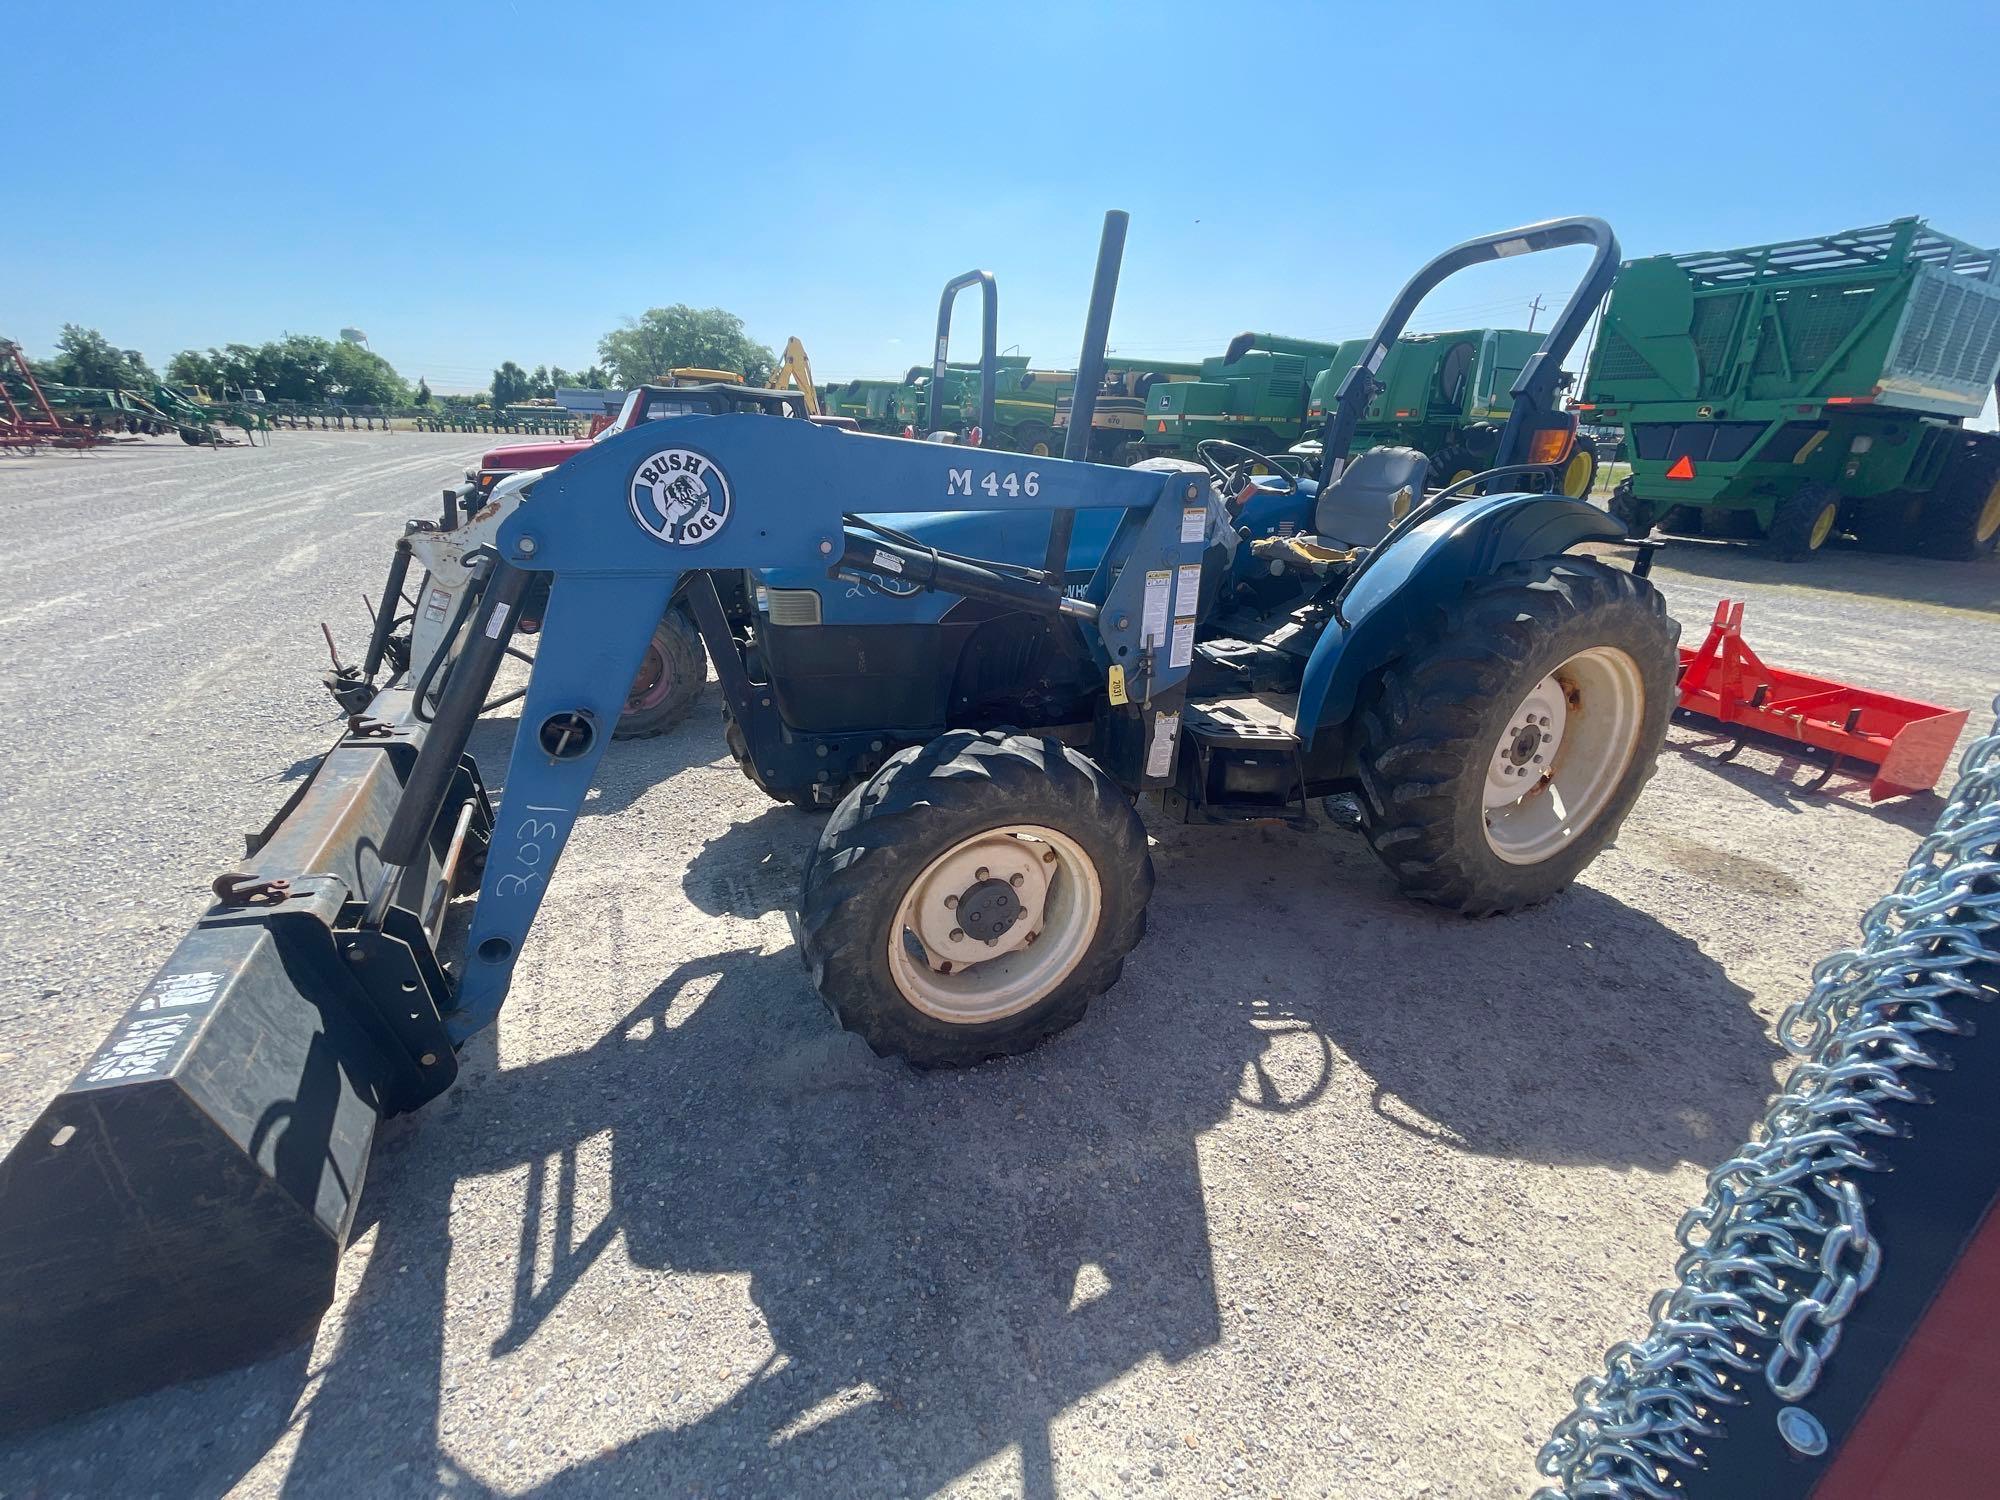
<point>1089,377</point>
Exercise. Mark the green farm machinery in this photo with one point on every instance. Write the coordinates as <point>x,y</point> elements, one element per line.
<point>958,396</point>
<point>103,413</point>
<point>1031,407</point>
<point>1447,395</point>
<point>868,403</point>
<point>1797,391</point>
<point>1253,393</point>
<point>200,421</point>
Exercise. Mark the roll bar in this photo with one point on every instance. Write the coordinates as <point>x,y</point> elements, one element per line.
<point>1089,377</point>
<point>989,347</point>
<point>1536,389</point>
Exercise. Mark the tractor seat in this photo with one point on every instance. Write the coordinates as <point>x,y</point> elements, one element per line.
<point>1374,492</point>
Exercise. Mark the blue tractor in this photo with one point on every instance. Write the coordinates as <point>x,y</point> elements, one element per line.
<point>1491,702</point>
<point>994,654</point>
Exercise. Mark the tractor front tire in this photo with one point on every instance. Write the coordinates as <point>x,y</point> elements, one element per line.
<point>1500,756</point>
<point>670,679</point>
<point>1961,520</point>
<point>1803,522</point>
<point>1629,511</point>
<point>973,896</point>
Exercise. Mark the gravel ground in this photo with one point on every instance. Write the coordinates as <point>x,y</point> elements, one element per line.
<point>1332,1195</point>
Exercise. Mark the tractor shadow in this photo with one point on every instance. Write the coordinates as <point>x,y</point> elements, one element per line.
<point>1581,1031</point>
<point>1841,569</point>
<point>629,769</point>
<point>944,1263</point>
<point>938,1266</point>
<point>753,867</point>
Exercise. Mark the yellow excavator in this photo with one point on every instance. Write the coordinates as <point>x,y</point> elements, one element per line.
<point>794,369</point>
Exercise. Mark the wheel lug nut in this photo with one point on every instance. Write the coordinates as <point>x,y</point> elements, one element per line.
<point>1544,720</point>
<point>993,942</point>
<point>980,873</point>
<point>958,934</point>
<point>1049,858</point>
<point>1017,881</point>
<point>951,903</point>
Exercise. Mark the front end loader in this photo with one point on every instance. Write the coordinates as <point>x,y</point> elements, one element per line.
<point>418,633</point>
<point>1496,701</point>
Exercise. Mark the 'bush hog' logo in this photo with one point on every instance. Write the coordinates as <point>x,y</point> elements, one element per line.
<point>680,497</point>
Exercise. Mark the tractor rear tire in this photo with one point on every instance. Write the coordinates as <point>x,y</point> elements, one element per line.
<point>1579,474</point>
<point>670,679</point>
<point>1451,465</point>
<point>1629,511</point>
<point>1446,727</point>
<point>1961,519</point>
<point>1803,522</point>
<point>1035,439</point>
<point>886,871</point>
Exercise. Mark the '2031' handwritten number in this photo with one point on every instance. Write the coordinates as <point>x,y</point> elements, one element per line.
<point>533,837</point>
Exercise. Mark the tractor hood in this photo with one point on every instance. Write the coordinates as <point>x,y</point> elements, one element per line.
<point>511,458</point>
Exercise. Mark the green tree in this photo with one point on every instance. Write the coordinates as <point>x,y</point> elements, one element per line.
<point>423,392</point>
<point>86,357</point>
<point>360,377</point>
<point>596,378</point>
<point>510,384</point>
<point>669,337</point>
<point>195,367</point>
<point>298,367</point>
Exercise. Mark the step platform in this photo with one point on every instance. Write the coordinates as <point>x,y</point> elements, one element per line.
<point>1240,762</point>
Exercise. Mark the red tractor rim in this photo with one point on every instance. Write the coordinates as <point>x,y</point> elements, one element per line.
<point>651,686</point>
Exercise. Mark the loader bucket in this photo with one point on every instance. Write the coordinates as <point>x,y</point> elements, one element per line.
<point>180,1209</point>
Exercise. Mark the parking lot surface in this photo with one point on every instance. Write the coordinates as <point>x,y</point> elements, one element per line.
<point>1333,1194</point>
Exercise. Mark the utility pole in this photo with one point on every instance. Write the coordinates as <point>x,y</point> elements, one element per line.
<point>1534,308</point>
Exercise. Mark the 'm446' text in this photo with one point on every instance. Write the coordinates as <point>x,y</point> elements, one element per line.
<point>961,482</point>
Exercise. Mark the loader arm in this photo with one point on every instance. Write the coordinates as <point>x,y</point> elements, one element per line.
<point>619,526</point>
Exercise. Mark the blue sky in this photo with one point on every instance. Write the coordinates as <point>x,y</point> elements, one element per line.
<point>478,183</point>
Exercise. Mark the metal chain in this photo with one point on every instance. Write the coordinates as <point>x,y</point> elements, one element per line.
<point>1776,1255</point>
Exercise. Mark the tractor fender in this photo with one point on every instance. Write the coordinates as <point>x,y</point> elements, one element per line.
<point>1425,568</point>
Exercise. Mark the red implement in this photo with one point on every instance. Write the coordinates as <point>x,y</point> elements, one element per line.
<point>1906,741</point>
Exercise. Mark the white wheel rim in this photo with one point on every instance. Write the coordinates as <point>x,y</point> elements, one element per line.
<point>1011,958</point>
<point>1561,755</point>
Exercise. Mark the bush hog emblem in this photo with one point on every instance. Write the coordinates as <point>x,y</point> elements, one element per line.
<point>680,497</point>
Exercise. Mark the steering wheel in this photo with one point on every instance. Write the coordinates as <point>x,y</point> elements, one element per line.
<point>1234,475</point>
